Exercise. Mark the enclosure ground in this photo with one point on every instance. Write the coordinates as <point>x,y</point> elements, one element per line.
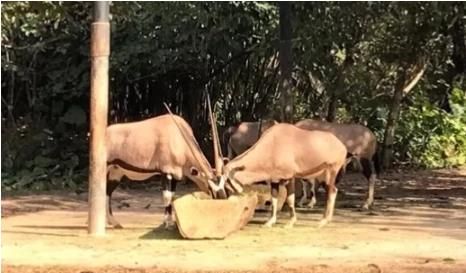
<point>418,224</point>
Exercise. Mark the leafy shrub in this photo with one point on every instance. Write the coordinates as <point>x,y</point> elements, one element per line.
<point>41,158</point>
<point>431,137</point>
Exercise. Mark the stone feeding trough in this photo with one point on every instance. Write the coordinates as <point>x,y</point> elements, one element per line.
<point>198,216</point>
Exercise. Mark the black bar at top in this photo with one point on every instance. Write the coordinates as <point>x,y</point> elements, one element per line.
<point>101,11</point>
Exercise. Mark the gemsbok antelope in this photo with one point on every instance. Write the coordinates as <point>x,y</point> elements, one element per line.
<point>285,152</point>
<point>240,138</point>
<point>359,141</point>
<point>161,145</point>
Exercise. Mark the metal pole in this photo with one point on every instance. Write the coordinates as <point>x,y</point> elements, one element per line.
<point>100,50</point>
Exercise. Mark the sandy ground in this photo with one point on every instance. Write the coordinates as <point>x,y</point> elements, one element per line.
<point>418,224</point>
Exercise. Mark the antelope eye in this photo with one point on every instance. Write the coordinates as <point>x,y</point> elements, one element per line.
<point>194,172</point>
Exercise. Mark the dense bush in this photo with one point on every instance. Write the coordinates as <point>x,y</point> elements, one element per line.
<point>347,59</point>
<point>437,138</point>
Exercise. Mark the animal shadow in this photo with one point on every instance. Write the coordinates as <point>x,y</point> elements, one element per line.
<point>161,233</point>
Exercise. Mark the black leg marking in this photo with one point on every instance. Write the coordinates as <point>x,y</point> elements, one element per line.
<point>366,167</point>
<point>169,187</point>
<point>168,209</point>
<point>275,188</point>
<point>290,187</point>
<point>173,185</point>
<point>166,184</point>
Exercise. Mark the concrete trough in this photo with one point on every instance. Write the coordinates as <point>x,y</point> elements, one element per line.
<point>200,217</point>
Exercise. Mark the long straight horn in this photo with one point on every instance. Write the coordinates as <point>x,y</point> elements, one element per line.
<point>215,140</point>
<point>188,141</point>
<point>260,129</point>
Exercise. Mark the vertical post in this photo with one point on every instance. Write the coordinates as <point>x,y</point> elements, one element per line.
<point>100,50</point>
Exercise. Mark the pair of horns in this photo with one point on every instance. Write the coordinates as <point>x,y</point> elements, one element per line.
<point>188,141</point>
<point>218,157</point>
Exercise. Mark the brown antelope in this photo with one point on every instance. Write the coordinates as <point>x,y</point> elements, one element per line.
<point>285,152</point>
<point>240,138</point>
<point>359,141</point>
<point>162,145</point>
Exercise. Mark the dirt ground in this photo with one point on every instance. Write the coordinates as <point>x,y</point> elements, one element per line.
<point>418,224</point>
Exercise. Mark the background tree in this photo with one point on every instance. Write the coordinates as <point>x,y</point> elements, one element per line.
<point>398,68</point>
<point>286,89</point>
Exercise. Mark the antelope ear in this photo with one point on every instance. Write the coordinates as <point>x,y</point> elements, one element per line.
<point>194,171</point>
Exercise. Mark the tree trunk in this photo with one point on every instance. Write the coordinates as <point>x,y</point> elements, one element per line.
<point>332,107</point>
<point>389,136</point>
<point>336,89</point>
<point>459,45</point>
<point>285,52</point>
<point>405,83</point>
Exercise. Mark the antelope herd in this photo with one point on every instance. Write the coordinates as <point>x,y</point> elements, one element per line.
<point>264,151</point>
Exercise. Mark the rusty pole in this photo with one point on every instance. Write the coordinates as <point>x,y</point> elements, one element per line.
<point>100,50</point>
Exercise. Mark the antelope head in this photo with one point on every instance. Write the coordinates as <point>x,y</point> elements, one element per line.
<point>206,174</point>
<point>227,184</point>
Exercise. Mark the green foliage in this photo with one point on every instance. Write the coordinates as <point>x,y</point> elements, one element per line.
<point>431,137</point>
<point>348,53</point>
<point>42,159</point>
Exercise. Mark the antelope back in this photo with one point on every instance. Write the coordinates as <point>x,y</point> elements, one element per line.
<point>358,139</point>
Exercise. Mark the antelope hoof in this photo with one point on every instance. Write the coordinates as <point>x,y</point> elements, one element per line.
<point>169,225</point>
<point>312,204</point>
<point>114,224</point>
<point>269,223</point>
<point>322,223</point>
<point>168,222</point>
<point>367,205</point>
<point>117,226</point>
<point>301,203</point>
<point>290,224</point>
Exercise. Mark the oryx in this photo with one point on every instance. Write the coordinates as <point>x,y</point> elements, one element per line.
<point>285,152</point>
<point>359,141</point>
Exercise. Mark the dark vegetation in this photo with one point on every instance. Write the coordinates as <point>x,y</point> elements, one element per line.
<point>398,68</point>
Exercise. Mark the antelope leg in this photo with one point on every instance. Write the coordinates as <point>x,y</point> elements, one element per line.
<point>111,186</point>
<point>273,219</point>
<point>331,197</point>
<point>313,192</point>
<point>290,189</point>
<point>169,186</point>
<point>369,172</point>
<point>303,199</point>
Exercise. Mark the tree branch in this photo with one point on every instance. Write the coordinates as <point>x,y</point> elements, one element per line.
<point>417,75</point>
